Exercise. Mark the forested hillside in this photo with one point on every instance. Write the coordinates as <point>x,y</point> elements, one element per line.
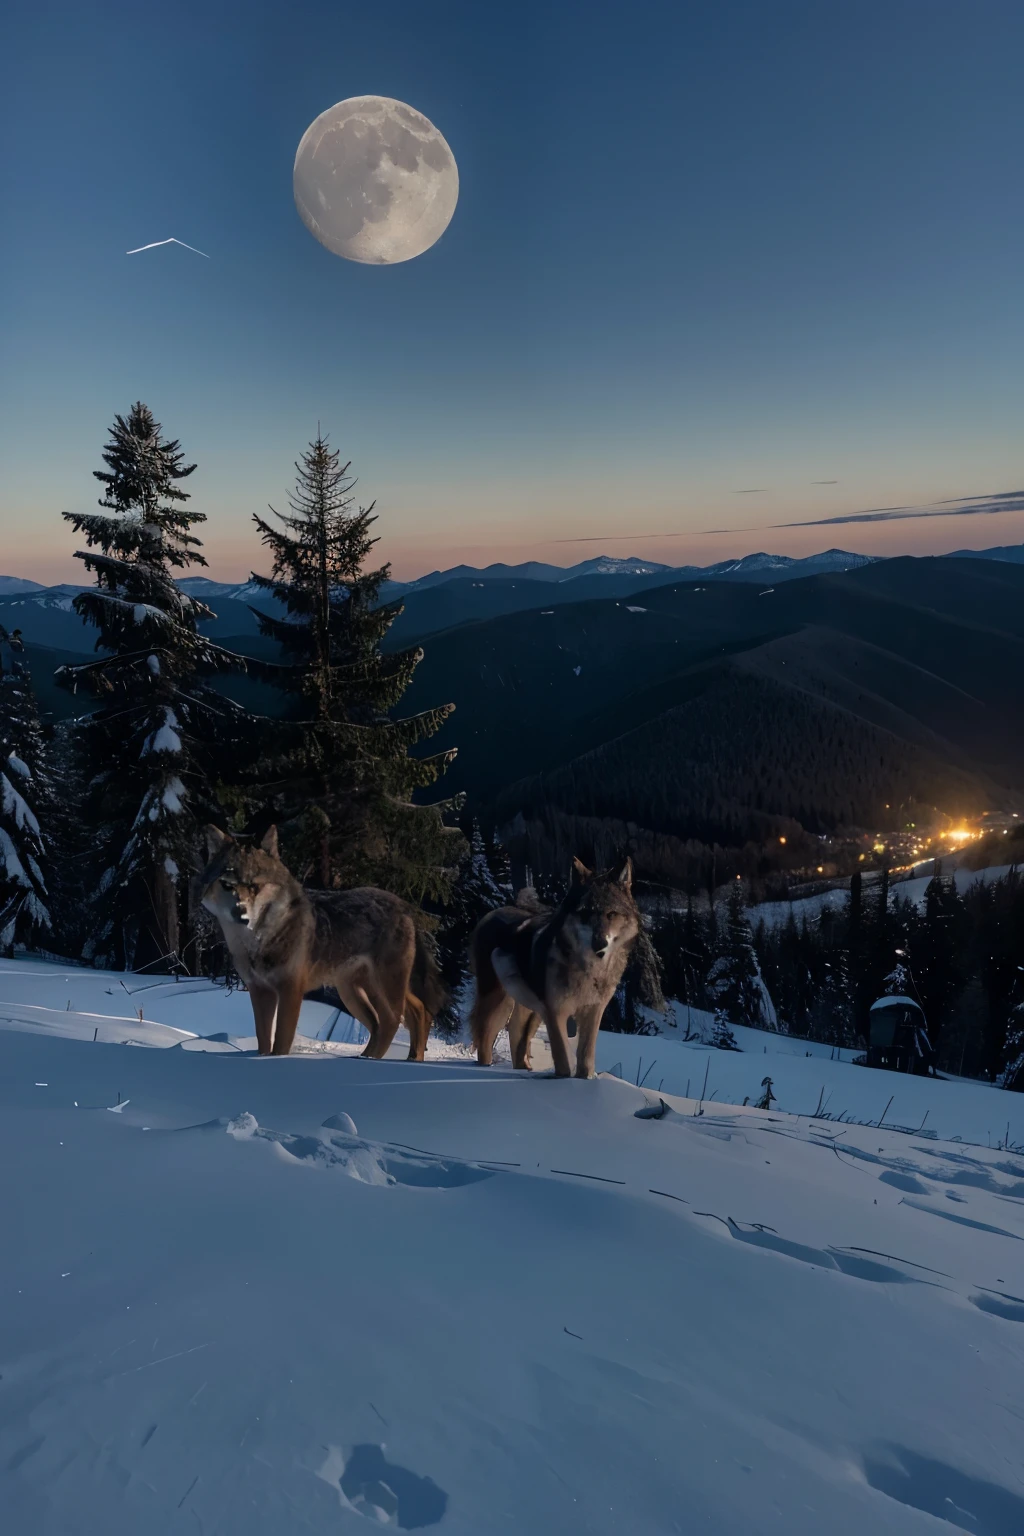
<point>691,712</point>
<point>742,755</point>
<point>711,712</point>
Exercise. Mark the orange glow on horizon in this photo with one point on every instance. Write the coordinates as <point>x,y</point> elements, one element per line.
<point>232,555</point>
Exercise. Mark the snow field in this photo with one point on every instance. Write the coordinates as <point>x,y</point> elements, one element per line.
<point>776,914</point>
<point>314,1293</point>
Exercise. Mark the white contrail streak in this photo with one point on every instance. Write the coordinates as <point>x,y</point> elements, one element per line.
<point>153,245</point>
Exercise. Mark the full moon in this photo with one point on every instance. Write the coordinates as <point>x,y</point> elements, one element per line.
<point>374,181</point>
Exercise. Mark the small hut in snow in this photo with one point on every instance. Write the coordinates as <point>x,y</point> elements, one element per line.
<point>898,1037</point>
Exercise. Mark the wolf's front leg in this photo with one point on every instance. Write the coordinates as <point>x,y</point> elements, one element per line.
<point>289,1003</point>
<point>588,1022</point>
<point>558,1039</point>
<point>264,1007</point>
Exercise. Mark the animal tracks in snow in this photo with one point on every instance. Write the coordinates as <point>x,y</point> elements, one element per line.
<point>998,1304</point>
<point>365,1161</point>
<point>963,1221</point>
<point>849,1262</point>
<point>381,1491</point>
<point>941,1166</point>
<point>968,1503</point>
<point>919,1184</point>
<point>939,1182</point>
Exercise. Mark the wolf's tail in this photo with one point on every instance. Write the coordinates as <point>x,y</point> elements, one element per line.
<point>425,982</point>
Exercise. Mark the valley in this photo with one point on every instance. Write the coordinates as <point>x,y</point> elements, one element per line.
<point>717,725</point>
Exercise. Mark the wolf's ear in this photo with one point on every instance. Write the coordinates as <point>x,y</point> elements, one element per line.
<point>579,872</point>
<point>215,840</point>
<point>623,875</point>
<point>269,843</point>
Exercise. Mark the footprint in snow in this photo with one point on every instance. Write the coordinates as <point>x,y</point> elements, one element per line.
<point>904,1181</point>
<point>365,1161</point>
<point>997,1305</point>
<point>944,1492</point>
<point>380,1490</point>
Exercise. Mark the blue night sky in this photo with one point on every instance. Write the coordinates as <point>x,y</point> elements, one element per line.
<point>699,250</point>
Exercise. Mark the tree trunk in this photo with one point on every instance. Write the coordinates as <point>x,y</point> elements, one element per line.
<point>165,901</point>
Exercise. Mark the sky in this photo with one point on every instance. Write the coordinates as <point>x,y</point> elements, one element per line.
<point>716,269</point>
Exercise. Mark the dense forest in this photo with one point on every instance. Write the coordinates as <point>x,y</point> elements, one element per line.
<point>958,954</point>
<point>741,759</point>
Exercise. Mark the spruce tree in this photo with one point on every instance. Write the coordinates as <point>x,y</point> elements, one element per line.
<point>937,947</point>
<point>339,777</point>
<point>1013,1069</point>
<point>832,1012</point>
<point>25,800</point>
<point>898,983</point>
<point>735,979</point>
<point>483,884</point>
<point>683,942</point>
<point>144,753</point>
<point>722,1037</point>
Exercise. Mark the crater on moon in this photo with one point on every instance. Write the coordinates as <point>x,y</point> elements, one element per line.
<point>375,181</point>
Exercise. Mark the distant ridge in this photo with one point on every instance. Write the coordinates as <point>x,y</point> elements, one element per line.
<point>783,566</point>
<point>203,588</point>
<point>618,571</point>
<point>538,570</point>
<point>1012,554</point>
<point>746,568</point>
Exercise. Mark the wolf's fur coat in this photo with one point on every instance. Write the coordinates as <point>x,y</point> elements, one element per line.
<point>286,941</point>
<point>538,965</point>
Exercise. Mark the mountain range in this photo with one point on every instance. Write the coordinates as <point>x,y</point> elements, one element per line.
<point>437,601</point>
<point>746,568</point>
<point>631,704</point>
<point>444,598</point>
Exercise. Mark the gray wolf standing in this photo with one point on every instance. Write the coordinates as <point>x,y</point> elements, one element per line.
<point>537,965</point>
<point>286,941</point>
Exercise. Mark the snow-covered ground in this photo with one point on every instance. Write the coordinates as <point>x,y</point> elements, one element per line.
<point>78,1002</point>
<point>775,914</point>
<point>809,1078</point>
<point>319,1293</point>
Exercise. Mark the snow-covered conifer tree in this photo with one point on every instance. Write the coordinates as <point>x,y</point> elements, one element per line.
<point>832,1012</point>
<point>735,981</point>
<point>1013,1071</point>
<point>24,800</point>
<point>483,884</point>
<point>898,982</point>
<point>144,754</point>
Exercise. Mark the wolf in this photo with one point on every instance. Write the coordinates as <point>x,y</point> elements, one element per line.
<point>286,941</point>
<point>535,964</point>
